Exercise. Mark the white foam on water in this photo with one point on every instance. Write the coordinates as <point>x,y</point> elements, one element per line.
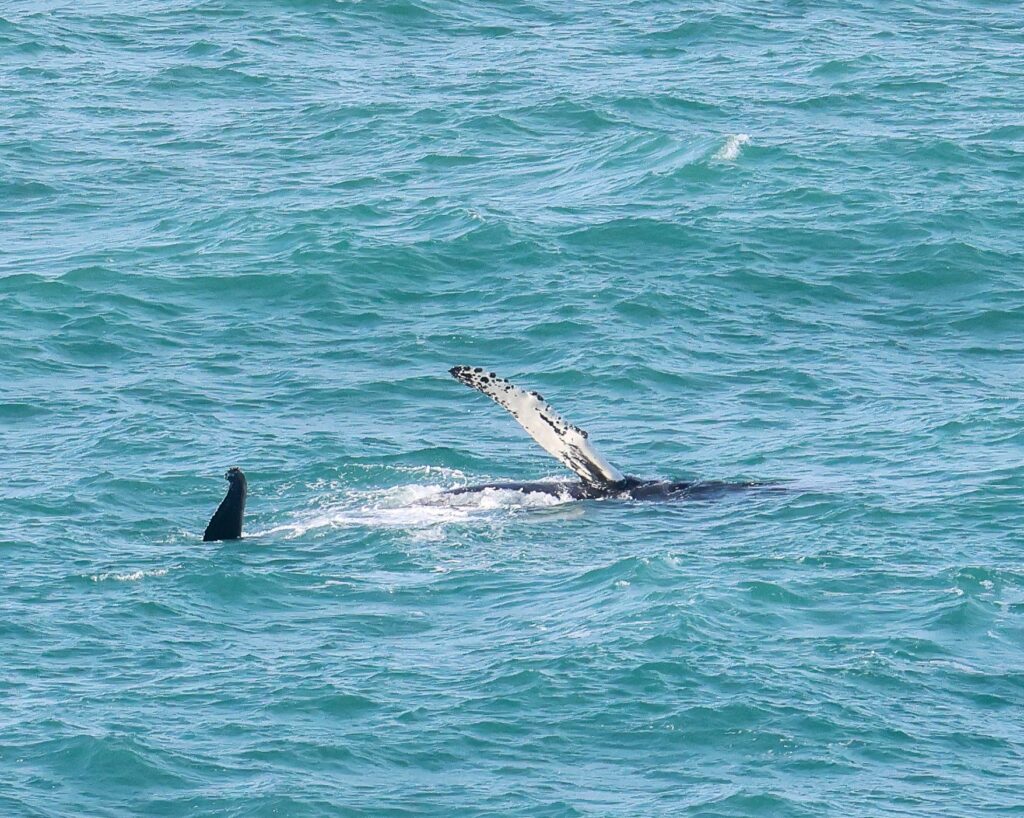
<point>423,509</point>
<point>132,576</point>
<point>731,149</point>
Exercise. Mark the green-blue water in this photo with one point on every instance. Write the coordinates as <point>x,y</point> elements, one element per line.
<point>775,241</point>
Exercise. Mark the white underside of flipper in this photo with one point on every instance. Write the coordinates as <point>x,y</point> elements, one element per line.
<point>558,437</point>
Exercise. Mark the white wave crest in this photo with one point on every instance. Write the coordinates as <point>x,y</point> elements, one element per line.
<point>133,576</point>
<point>731,149</point>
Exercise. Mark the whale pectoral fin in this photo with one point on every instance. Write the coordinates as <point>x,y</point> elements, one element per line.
<point>567,443</point>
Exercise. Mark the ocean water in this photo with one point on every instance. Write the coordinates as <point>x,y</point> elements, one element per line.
<point>741,241</point>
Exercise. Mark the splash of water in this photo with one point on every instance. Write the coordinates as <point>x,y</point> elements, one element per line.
<point>413,507</point>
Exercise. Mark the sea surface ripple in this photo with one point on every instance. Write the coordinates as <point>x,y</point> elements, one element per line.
<point>772,241</point>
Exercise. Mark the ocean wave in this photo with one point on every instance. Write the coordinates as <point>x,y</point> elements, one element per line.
<point>730,151</point>
<point>131,576</point>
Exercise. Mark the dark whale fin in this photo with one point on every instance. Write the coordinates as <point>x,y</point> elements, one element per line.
<point>226,523</point>
<point>568,443</point>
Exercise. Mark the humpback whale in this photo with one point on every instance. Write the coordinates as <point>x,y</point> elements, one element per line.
<point>571,446</point>
<point>226,522</point>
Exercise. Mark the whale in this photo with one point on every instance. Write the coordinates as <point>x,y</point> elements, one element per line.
<point>573,448</point>
<point>226,522</point>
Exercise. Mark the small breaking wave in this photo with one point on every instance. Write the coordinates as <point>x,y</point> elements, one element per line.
<point>130,576</point>
<point>731,149</point>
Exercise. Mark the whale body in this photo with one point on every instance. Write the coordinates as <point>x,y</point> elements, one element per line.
<point>572,447</point>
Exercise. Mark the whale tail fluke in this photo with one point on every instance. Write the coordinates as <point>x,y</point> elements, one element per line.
<point>226,523</point>
<point>569,444</point>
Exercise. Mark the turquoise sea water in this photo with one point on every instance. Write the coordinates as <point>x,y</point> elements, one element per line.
<point>777,241</point>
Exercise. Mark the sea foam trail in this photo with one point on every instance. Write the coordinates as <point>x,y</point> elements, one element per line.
<point>414,507</point>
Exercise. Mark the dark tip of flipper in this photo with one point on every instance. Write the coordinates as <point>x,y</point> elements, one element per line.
<point>465,374</point>
<point>226,522</point>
